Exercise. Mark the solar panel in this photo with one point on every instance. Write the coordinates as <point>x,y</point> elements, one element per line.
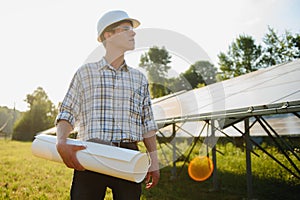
<point>265,91</point>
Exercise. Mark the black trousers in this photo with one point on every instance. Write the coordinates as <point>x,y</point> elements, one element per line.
<point>88,185</point>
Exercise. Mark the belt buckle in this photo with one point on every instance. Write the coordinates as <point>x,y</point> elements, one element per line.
<point>126,140</point>
<point>115,143</point>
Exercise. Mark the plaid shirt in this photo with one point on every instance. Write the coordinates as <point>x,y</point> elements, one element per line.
<point>108,104</point>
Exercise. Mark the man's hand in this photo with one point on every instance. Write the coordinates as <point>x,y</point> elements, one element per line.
<point>152,179</point>
<point>66,151</point>
<point>153,174</point>
<point>68,154</point>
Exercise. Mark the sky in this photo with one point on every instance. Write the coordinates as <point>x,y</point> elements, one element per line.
<point>44,42</point>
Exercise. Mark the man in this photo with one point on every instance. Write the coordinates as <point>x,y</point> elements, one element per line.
<point>111,103</point>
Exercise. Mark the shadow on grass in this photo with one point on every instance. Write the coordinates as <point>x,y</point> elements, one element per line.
<point>232,186</point>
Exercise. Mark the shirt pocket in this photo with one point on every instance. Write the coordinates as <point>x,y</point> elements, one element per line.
<point>135,110</point>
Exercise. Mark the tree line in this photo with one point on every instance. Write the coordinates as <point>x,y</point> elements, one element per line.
<point>244,55</point>
<point>8,117</point>
<point>23,126</point>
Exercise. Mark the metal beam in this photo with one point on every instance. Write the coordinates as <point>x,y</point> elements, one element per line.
<point>173,142</point>
<point>196,139</point>
<point>214,158</point>
<point>243,113</point>
<point>248,159</point>
<point>278,145</point>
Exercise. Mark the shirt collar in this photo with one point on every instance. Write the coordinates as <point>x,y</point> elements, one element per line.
<point>105,65</point>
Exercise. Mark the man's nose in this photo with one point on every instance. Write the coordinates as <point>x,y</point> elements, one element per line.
<point>132,33</point>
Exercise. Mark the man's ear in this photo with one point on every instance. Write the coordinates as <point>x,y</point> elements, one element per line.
<point>107,35</point>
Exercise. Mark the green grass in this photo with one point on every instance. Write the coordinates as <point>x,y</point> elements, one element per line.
<point>23,176</point>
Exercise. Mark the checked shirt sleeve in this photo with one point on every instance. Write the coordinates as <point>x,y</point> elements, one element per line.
<point>70,107</point>
<point>147,113</point>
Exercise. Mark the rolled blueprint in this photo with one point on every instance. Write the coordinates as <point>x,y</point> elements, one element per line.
<point>110,160</point>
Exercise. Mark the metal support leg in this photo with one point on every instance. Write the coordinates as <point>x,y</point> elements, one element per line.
<point>174,152</point>
<point>214,158</point>
<point>248,159</point>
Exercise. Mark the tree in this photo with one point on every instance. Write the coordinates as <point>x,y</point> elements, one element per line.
<point>280,48</point>
<point>155,62</point>
<point>201,72</point>
<point>296,42</point>
<point>245,56</point>
<point>179,83</point>
<point>41,116</point>
<point>7,119</point>
<point>242,57</point>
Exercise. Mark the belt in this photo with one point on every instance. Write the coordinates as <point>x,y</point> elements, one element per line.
<point>125,143</point>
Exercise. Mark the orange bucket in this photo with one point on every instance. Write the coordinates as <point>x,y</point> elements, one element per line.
<point>200,168</point>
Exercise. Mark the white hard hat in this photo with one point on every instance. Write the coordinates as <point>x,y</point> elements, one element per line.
<point>112,17</point>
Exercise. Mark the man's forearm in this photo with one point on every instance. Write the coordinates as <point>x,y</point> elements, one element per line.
<point>150,144</point>
<point>64,129</point>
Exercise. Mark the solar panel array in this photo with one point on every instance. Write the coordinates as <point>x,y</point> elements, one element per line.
<point>276,87</point>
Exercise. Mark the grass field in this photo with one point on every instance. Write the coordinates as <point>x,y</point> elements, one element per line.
<point>23,176</point>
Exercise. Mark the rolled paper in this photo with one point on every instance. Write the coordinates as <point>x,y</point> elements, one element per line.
<point>110,160</point>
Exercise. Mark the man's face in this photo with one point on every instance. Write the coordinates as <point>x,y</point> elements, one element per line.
<point>122,37</point>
